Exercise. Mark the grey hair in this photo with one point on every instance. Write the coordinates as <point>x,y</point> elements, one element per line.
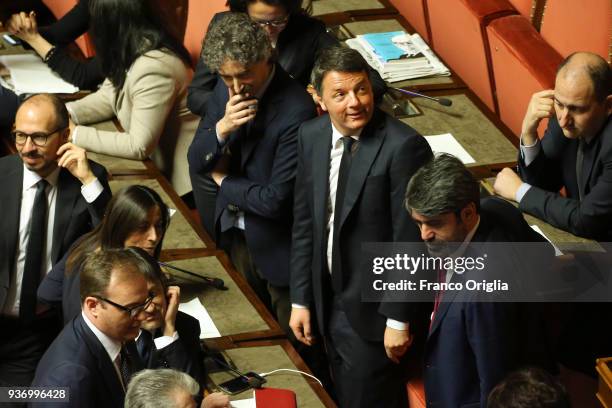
<point>234,37</point>
<point>441,186</point>
<point>155,388</point>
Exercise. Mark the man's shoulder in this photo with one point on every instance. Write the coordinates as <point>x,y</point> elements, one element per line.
<point>290,90</point>
<point>503,222</point>
<point>10,162</point>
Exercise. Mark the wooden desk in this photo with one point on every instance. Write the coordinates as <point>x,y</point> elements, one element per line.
<point>353,7</point>
<point>265,356</point>
<point>237,312</point>
<point>478,131</point>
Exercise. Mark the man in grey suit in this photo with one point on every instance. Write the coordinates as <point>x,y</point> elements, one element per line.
<point>353,168</point>
<point>51,195</point>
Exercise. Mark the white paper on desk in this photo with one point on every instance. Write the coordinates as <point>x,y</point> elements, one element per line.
<point>171,212</point>
<point>446,143</point>
<point>194,308</point>
<point>539,231</point>
<point>30,75</point>
<point>244,403</point>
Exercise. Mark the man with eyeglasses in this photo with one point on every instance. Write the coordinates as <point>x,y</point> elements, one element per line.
<point>50,196</point>
<point>94,356</point>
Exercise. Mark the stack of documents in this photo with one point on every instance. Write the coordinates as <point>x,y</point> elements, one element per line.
<point>30,75</point>
<point>398,56</point>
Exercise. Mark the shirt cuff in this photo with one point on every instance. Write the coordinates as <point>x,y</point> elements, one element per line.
<point>92,190</point>
<point>298,306</point>
<point>530,152</point>
<point>165,341</point>
<point>222,142</point>
<point>521,191</point>
<point>397,325</point>
<point>73,136</point>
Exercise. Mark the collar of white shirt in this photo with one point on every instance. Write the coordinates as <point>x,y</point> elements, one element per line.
<point>336,135</point>
<point>111,346</point>
<point>30,178</point>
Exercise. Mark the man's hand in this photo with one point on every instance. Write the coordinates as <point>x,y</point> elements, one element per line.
<point>240,108</point>
<point>216,400</point>
<point>540,106</point>
<point>221,169</point>
<point>74,159</point>
<point>397,343</point>
<point>507,184</point>
<point>173,297</point>
<point>300,325</point>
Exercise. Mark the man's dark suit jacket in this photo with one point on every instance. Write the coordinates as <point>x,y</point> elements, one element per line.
<point>73,215</point>
<point>262,169</point>
<point>297,49</point>
<point>555,167</point>
<point>388,154</point>
<point>76,359</point>
<point>472,344</point>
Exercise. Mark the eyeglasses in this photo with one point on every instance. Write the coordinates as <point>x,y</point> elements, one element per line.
<point>38,138</point>
<point>281,22</point>
<point>133,311</point>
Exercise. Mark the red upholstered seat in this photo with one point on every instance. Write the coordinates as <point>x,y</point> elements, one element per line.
<point>523,63</point>
<point>570,25</point>
<point>458,36</point>
<point>61,7</point>
<point>416,393</point>
<point>199,15</point>
<point>415,11</point>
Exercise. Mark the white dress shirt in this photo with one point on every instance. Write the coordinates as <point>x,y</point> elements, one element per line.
<point>30,179</point>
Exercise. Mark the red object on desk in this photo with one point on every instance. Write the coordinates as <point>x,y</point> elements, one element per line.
<point>275,398</point>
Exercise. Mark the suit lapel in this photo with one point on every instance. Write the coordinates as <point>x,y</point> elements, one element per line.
<point>590,156</point>
<point>68,190</point>
<point>107,368</point>
<point>320,174</point>
<point>267,111</point>
<point>448,297</point>
<point>369,144</point>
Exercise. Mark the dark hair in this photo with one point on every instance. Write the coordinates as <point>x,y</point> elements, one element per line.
<point>442,185</point>
<point>59,108</point>
<point>598,70</point>
<point>154,273</point>
<point>126,213</point>
<point>290,6</point>
<point>336,58</point>
<point>123,30</point>
<point>529,388</point>
<point>99,265</point>
<point>234,37</point>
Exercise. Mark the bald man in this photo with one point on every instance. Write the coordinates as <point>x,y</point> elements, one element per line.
<point>50,195</point>
<point>575,152</point>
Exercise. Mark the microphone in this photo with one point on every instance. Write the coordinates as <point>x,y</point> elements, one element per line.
<point>441,101</point>
<point>253,379</point>
<point>214,282</point>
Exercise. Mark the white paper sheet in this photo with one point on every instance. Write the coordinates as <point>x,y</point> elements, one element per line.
<point>30,75</point>
<point>446,143</point>
<point>195,309</point>
<point>539,231</point>
<point>244,403</point>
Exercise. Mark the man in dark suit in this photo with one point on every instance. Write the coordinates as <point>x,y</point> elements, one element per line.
<point>91,356</point>
<point>335,211</point>
<point>9,102</point>
<point>475,337</point>
<point>575,153</point>
<point>51,195</point>
<point>247,141</point>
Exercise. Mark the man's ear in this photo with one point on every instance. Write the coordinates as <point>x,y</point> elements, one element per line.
<point>608,103</point>
<point>91,305</point>
<point>64,135</point>
<point>469,214</point>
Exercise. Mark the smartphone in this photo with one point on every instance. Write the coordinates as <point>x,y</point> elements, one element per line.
<point>239,384</point>
<point>11,39</point>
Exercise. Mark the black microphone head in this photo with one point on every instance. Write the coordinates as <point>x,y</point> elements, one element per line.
<point>445,102</point>
<point>255,382</point>
<point>218,284</point>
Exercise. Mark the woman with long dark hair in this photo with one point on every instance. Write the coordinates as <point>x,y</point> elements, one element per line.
<point>147,71</point>
<point>135,216</point>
